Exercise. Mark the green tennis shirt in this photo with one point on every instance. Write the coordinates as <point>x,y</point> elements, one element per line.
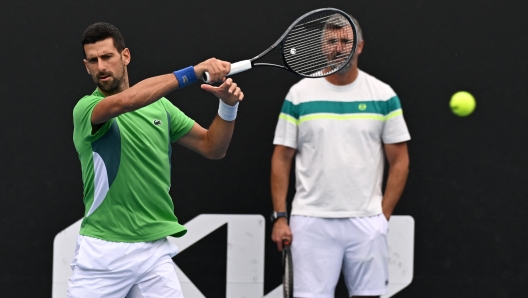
<point>126,168</point>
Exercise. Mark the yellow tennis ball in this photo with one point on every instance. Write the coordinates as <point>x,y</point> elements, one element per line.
<point>462,103</point>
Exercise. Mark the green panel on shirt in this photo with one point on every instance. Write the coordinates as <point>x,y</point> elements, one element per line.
<point>126,171</point>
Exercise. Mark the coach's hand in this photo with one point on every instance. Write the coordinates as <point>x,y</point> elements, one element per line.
<point>217,69</point>
<point>281,231</point>
<point>228,92</point>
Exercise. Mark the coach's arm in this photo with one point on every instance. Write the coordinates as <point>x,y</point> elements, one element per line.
<point>281,162</point>
<point>398,158</point>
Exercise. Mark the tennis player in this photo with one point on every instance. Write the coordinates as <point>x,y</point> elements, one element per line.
<point>123,136</point>
<point>339,128</point>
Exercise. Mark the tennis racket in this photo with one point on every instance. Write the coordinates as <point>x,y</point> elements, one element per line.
<point>319,43</point>
<point>287,264</point>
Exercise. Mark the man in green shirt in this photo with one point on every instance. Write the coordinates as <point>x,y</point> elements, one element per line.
<point>123,136</point>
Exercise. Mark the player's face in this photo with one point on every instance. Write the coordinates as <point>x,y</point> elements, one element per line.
<point>106,65</point>
<point>337,44</point>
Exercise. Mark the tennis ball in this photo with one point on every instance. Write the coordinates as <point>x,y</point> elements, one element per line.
<point>462,103</point>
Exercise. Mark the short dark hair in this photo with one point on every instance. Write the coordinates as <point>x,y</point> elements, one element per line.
<point>337,21</point>
<point>101,31</point>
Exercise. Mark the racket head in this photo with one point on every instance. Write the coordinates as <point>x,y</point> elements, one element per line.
<point>319,43</point>
<point>287,264</point>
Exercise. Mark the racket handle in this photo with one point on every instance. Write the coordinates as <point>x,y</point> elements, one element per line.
<point>235,68</point>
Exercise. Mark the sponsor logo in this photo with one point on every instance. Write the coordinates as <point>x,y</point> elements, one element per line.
<point>362,106</point>
<point>157,122</point>
<point>245,254</point>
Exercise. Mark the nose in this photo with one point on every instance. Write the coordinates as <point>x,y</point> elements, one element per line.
<point>337,49</point>
<point>340,46</point>
<point>101,65</point>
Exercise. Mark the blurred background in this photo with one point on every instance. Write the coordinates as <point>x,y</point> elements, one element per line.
<point>467,186</point>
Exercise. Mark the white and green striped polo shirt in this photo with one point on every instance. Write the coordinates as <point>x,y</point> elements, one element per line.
<point>339,132</point>
<point>126,171</point>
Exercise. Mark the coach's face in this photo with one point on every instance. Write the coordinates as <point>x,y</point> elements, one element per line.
<point>106,65</point>
<point>337,44</point>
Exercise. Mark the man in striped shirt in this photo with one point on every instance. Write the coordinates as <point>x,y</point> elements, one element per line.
<point>340,129</point>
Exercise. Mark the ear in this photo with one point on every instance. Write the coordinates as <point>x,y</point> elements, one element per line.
<point>125,55</point>
<point>359,48</point>
<point>86,65</point>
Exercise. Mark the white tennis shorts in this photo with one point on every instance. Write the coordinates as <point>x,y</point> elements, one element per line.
<point>322,247</point>
<point>117,269</point>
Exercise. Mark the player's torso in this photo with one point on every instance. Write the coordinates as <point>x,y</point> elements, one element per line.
<point>145,134</point>
<point>145,151</point>
<point>135,155</point>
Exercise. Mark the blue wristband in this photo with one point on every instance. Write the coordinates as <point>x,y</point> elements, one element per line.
<point>185,76</point>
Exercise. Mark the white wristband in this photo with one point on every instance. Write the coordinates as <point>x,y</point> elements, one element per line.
<point>227,112</point>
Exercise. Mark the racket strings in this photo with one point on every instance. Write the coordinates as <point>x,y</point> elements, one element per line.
<point>310,65</point>
<point>303,39</point>
<point>323,20</point>
<point>307,50</point>
<point>302,52</point>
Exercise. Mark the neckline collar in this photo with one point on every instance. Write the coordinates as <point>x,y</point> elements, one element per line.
<point>98,93</point>
<point>344,87</point>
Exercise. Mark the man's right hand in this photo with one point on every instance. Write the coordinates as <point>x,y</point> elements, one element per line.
<point>217,69</point>
<point>281,231</point>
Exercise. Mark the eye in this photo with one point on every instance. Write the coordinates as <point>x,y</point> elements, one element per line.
<point>332,41</point>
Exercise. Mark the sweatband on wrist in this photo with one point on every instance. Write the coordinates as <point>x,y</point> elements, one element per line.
<point>185,76</point>
<point>227,112</point>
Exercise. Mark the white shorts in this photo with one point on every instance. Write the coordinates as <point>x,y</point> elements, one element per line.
<point>321,247</point>
<point>117,269</point>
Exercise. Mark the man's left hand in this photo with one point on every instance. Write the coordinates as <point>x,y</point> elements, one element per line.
<point>228,92</point>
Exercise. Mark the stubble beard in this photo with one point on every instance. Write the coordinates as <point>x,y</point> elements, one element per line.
<point>346,68</point>
<point>110,87</point>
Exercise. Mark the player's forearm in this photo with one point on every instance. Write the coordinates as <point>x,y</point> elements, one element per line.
<point>280,174</point>
<point>148,91</point>
<point>218,138</point>
<point>140,95</point>
<point>396,180</point>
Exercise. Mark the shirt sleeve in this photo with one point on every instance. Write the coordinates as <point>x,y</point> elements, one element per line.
<point>180,124</point>
<point>82,120</point>
<point>288,124</point>
<point>395,129</point>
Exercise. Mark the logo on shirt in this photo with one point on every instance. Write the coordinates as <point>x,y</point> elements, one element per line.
<point>157,122</point>
<point>362,106</point>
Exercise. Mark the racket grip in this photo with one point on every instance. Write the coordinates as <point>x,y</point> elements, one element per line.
<point>235,68</point>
